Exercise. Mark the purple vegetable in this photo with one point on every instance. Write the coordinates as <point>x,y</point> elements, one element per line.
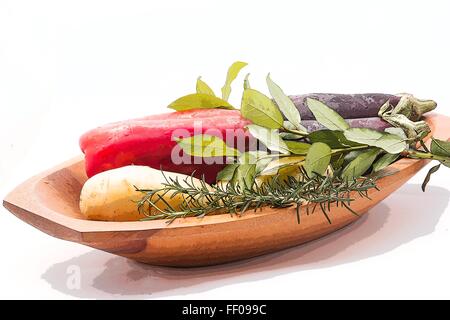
<point>349,106</point>
<point>375,123</point>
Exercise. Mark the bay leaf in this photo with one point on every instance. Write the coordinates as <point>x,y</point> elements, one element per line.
<point>360,164</point>
<point>202,87</point>
<point>390,143</point>
<point>204,145</point>
<point>297,147</point>
<point>285,104</point>
<point>199,101</point>
<point>269,137</point>
<point>326,116</point>
<point>260,110</point>
<point>397,131</point>
<point>440,147</point>
<point>350,156</point>
<point>227,173</point>
<point>333,138</point>
<point>233,72</point>
<point>244,175</point>
<point>289,135</point>
<point>317,159</point>
<point>284,162</point>
<point>384,161</point>
<point>337,161</point>
<point>257,157</point>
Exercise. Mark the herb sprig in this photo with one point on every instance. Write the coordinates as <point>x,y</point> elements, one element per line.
<point>200,199</point>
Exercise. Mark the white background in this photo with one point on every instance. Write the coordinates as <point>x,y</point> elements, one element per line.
<point>67,66</point>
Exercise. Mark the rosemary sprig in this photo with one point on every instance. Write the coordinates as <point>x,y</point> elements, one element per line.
<point>200,199</point>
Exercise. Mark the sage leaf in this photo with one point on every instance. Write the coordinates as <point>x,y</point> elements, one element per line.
<point>317,159</point>
<point>285,104</point>
<point>333,138</point>
<point>428,176</point>
<point>384,161</point>
<point>260,110</point>
<point>202,87</point>
<point>206,146</point>
<point>296,147</point>
<point>440,147</point>
<point>233,72</point>
<point>326,116</point>
<point>269,137</point>
<point>226,174</point>
<point>199,101</point>
<point>247,82</point>
<point>360,164</point>
<point>244,175</point>
<point>390,143</point>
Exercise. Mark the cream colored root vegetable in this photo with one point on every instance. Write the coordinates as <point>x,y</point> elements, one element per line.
<point>111,195</point>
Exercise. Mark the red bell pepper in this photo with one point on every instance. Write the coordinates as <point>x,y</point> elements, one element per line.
<point>150,141</point>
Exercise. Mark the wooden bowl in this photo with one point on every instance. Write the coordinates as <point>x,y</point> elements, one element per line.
<point>49,202</point>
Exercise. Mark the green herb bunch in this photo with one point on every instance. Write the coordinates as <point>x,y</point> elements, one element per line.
<point>320,167</point>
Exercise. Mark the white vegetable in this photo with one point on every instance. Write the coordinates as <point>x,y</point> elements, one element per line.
<point>111,195</point>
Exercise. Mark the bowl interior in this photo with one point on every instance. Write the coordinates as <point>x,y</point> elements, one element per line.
<point>60,190</point>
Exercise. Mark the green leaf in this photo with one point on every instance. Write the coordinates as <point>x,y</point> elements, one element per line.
<point>285,104</point>
<point>397,131</point>
<point>276,165</point>
<point>350,156</point>
<point>206,146</point>
<point>296,147</point>
<point>244,175</point>
<point>260,110</point>
<point>250,156</point>
<point>255,157</point>
<point>233,72</point>
<point>270,138</point>
<point>384,161</point>
<point>333,138</point>
<point>226,174</point>
<point>390,143</point>
<point>326,116</point>
<point>360,164</point>
<point>291,136</point>
<point>440,147</point>
<point>428,176</point>
<point>337,161</point>
<point>246,82</point>
<point>317,159</point>
<point>199,101</point>
<point>202,87</point>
